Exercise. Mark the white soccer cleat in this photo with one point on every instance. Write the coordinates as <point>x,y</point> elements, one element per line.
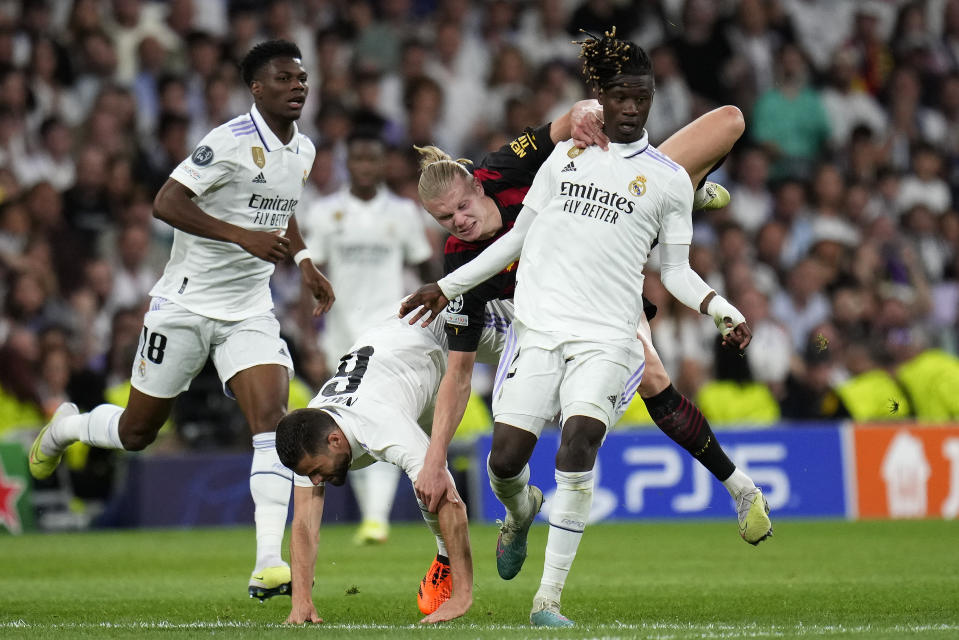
<point>753,512</point>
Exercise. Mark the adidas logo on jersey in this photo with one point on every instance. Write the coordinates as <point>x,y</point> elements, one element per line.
<point>569,167</point>
<point>259,179</point>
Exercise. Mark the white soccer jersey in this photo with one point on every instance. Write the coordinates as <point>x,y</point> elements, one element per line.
<point>598,213</point>
<point>242,174</point>
<point>390,378</point>
<point>365,245</point>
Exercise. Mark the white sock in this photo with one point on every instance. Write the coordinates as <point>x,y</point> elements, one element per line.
<point>737,483</point>
<point>433,522</point>
<point>375,487</point>
<point>568,514</point>
<point>512,492</point>
<point>270,486</point>
<point>98,428</point>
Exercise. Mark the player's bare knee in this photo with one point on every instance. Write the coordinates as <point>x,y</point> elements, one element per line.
<point>655,379</point>
<point>504,464</point>
<point>577,455</point>
<point>733,121</point>
<point>580,441</point>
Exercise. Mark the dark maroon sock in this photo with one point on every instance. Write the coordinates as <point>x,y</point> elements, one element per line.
<point>685,424</point>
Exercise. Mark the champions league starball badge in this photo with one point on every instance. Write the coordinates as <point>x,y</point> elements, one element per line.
<point>202,156</point>
<point>455,305</point>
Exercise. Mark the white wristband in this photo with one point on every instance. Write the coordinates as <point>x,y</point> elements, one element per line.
<point>720,309</point>
<point>300,256</point>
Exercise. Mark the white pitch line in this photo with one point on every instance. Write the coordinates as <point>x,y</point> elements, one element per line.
<point>712,630</point>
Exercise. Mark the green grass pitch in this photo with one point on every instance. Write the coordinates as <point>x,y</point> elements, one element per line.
<point>650,580</point>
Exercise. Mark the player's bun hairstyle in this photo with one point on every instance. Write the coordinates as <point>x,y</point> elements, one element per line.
<point>606,58</point>
<point>302,432</point>
<point>438,171</point>
<point>260,55</point>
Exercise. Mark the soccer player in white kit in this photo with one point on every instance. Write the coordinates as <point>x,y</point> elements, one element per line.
<point>589,221</point>
<point>232,204</point>
<point>363,236</point>
<point>378,407</point>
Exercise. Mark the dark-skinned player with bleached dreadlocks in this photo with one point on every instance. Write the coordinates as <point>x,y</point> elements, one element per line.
<point>586,228</point>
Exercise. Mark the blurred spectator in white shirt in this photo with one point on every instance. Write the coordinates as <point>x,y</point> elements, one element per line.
<point>53,162</point>
<point>924,184</point>
<point>752,203</point>
<point>802,305</point>
<point>673,106</point>
<point>543,36</point>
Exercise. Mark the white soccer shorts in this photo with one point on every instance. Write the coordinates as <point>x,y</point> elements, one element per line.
<point>175,343</point>
<point>541,375</point>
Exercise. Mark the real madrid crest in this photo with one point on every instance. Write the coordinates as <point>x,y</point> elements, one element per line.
<point>337,216</point>
<point>259,158</point>
<point>638,186</point>
<point>574,151</point>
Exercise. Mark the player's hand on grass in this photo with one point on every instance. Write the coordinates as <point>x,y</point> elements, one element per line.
<point>433,484</point>
<point>319,286</point>
<point>738,336</point>
<point>303,612</point>
<point>452,608</point>
<point>427,301</point>
<point>265,245</point>
<point>586,123</point>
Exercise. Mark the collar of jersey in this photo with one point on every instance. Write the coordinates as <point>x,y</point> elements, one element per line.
<point>630,149</point>
<point>269,139</point>
<point>356,448</point>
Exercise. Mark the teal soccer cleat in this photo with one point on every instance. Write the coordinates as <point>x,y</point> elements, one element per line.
<point>511,543</point>
<point>546,614</point>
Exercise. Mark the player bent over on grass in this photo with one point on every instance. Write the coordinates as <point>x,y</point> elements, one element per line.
<point>368,412</point>
<point>589,221</point>
<point>231,204</point>
<point>477,206</point>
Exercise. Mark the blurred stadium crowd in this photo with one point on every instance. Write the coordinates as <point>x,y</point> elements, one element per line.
<point>841,244</point>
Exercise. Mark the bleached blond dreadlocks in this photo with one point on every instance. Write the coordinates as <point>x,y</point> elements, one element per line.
<point>606,58</point>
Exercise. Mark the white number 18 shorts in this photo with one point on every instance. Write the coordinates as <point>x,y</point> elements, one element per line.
<point>175,343</point>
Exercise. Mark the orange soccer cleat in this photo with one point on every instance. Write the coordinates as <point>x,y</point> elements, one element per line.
<point>436,586</point>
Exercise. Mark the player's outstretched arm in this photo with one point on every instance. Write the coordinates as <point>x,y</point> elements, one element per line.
<point>492,260</point>
<point>315,282</point>
<point>174,205</point>
<point>686,286</point>
<point>455,529</point>
<point>703,142</point>
<point>304,543</point>
<point>433,484</point>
